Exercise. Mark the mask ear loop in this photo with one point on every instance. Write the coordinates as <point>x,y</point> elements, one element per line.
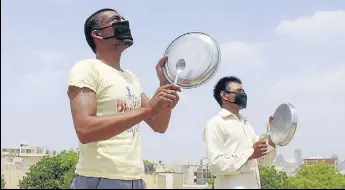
<point>227,92</point>
<point>104,38</point>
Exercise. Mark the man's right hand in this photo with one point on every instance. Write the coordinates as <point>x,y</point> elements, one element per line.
<point>260,149</point>
<point>165,96</point>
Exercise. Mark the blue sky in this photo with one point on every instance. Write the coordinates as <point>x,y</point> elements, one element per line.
<point>284,51</point>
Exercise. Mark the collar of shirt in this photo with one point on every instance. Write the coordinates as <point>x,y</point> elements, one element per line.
<point>225,114</point>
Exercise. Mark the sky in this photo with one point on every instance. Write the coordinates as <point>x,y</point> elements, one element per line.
<point>283,51</point>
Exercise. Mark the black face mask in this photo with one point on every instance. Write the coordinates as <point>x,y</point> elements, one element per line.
<point>240,99</point>
<point>121,31</point>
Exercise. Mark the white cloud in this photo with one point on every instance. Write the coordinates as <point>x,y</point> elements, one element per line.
<point>47,70</point>
<point>321,27</point>
<point>328,85</point>
<point>244,56</point>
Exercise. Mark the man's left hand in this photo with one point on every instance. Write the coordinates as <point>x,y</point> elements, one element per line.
<point>162,79</point>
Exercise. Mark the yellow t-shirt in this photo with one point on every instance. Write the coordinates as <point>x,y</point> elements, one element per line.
<point>117,92</point>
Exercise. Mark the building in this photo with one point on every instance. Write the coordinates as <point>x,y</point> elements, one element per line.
<point>313,161</point>
<point>26,151</point>
<point>341,165</point>
<point>180,174</point>
<point>336,157</point>
<point>150,181</point>
<point>204,161</point>
<point>16,162</point>
<point>169,180</point>
<point>290,168</point>
<point>193,174</point>
<point>298,157</point>
<point>203,172</point>
<point>279,160</point>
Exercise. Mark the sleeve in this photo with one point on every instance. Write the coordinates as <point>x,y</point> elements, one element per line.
<point>83,75</point>
<point>224,161</point>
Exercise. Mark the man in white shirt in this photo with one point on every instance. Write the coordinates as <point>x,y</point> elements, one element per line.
<point>108,103</point>
<point>233,149</point>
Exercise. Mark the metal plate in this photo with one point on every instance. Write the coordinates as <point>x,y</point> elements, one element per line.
<point>284,124</point>
<point>201,54</point>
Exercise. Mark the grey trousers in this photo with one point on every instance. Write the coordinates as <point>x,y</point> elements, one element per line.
<point>81,182</point>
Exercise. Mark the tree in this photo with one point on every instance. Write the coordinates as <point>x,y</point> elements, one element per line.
<point>51,172</point>
<point>272,179</point>
<point>148,163</point>
<point>211,182</point>
<point>3,183</point>
<point>318,176</point>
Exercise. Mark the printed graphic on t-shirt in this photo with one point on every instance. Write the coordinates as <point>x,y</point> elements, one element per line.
<point>129,104</point>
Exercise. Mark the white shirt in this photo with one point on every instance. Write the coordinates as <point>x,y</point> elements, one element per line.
<point>229,143</point>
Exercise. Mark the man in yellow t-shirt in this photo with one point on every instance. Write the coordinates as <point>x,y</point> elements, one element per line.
<point>107,105</point>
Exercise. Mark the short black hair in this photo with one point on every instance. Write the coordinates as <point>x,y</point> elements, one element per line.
<point>91,24</point>
<point>221,85</point>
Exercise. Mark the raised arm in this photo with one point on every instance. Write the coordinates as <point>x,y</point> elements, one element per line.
<point>83,83</point>
<point>92,128</point>
<point>160,122</point>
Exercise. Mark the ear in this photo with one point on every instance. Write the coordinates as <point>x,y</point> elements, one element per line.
<point>227,96</point>
<point>96,35</point>
<point>224,96</point>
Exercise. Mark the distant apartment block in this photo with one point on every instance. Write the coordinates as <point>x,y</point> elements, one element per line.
<point>298,157</point>
<point>178,175</point>
<point>341,165</point>
<point>204,161</point>
<point>313,161</point>
<point>26,150</point>
<point>290,168</point>
<point>15,162</point>
<point>279,160</point>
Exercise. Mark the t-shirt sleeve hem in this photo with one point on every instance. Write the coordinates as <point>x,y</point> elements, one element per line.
<point>81,85</point>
